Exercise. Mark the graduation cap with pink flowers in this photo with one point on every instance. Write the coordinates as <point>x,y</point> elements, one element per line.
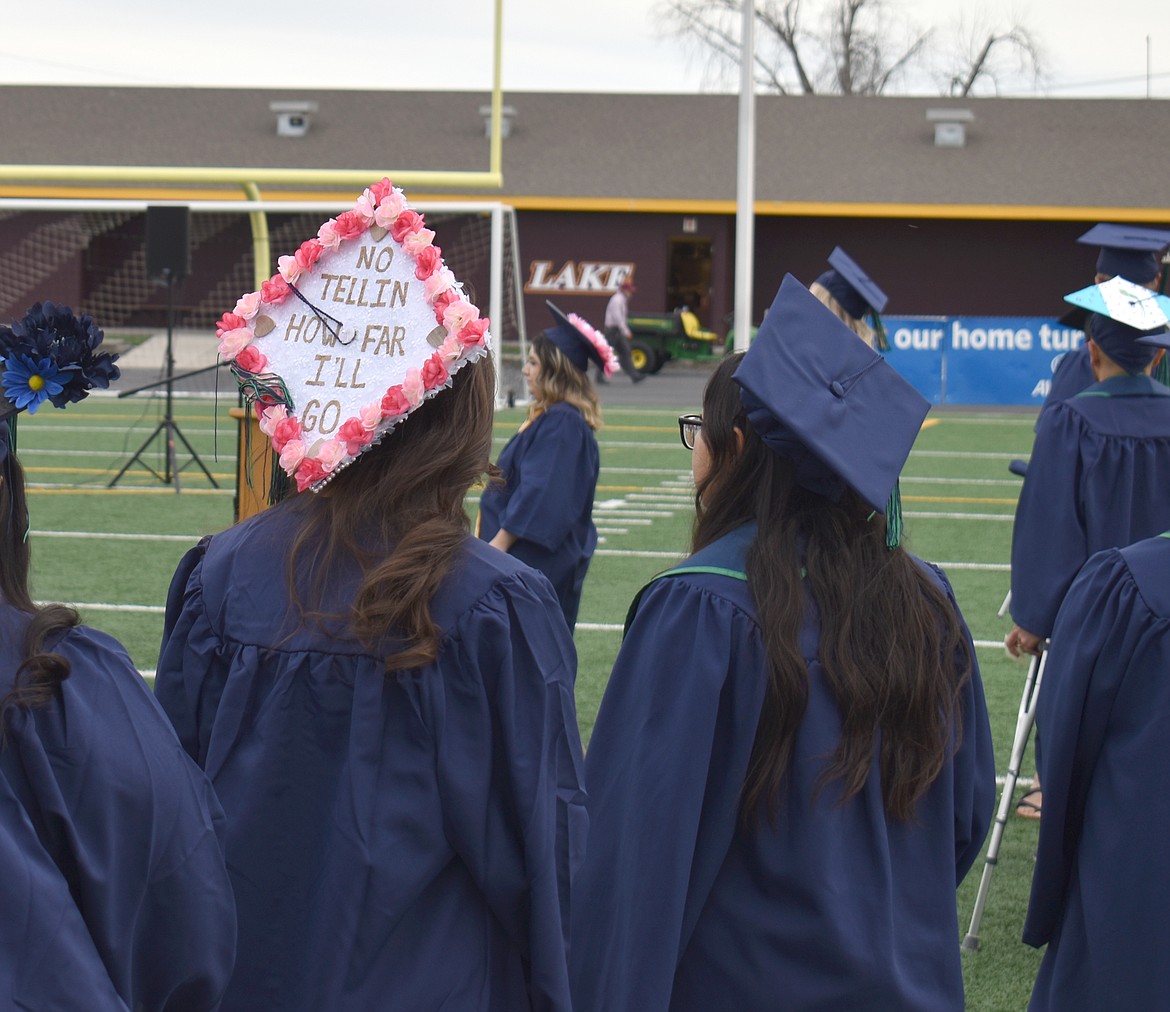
<point>359,327</point>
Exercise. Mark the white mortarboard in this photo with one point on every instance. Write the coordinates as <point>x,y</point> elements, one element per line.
<point>361,325</point>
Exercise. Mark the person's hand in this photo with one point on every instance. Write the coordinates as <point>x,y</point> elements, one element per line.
<point>1020,641</point>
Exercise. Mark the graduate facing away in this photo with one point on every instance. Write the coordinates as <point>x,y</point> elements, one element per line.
<point>1101,885</point>
<point>791,770</point>
<point>113,890</point>
<point>542,511</point>
<point>383,702</point>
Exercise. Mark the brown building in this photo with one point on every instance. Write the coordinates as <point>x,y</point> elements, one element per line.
<point>954,206</point>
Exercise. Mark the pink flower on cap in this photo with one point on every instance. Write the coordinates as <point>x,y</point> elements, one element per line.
<point>434,372</point>
<point>229,321</point>
<point>354,436</point>
<point>329,236</point>
<point>371,415</point>
<point>440,281</point>
<point>451,349</point>
<point>389,208</point>
<point>380,190</point>
<point>309,472</point>
<point>331,453</point>
<point>292,267</point>
<point>289,269</point>
<point>442,301</point>
<point>395,403</point>
<point>416,242</point>
<point>473,333</point>
<point>366,204</point>
<point>285,431</point>
<point>427,262</point>
<point>251,358</point>
<point>232,342</point>
<point>349,225</point>
<point>275,290</point>
<point>406,223</point>
<point>248,305</point>
<point>413,387</point>
<point>270,416</point>
<point>292,455</point>
<point>458,315</point>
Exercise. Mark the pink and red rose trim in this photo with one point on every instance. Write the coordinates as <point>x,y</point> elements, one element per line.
<point>385,206</point>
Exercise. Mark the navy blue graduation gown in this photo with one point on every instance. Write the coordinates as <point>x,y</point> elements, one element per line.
<point>1073,373</point>
<point>550,471</point>
<point>1101,887</point>
<point>113,890</point>
<point>680,906</point>
<point>396,842</point>
<point>1097,479</point>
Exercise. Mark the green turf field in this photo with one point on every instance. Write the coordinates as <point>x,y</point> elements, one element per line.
<point>111,552</point>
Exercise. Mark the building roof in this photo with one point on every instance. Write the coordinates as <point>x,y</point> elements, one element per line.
<point>816,155</point>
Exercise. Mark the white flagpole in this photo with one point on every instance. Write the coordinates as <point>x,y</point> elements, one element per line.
<point>745,182</point>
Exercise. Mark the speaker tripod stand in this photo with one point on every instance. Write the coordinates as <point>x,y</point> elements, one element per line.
<point>167,428</point>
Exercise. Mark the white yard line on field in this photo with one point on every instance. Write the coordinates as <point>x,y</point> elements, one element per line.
<point>116,536</point>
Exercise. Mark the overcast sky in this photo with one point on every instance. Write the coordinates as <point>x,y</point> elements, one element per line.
<point>1092,47</point>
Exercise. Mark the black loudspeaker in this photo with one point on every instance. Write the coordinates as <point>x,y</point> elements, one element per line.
<point>168,251</point>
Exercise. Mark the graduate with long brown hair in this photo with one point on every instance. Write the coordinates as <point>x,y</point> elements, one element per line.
<point>384,703</point>
<point>791,770</point>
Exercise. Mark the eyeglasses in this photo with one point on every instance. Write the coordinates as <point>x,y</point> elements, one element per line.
<point>688,429</point>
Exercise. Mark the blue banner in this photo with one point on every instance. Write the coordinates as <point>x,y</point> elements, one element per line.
<point>979,359</point>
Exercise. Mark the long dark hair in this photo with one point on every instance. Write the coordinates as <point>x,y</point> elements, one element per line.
<point>41,670</point>
<point>405,494</point>
<point>892,648</point>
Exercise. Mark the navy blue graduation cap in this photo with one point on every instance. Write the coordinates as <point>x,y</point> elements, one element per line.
<point>1128,251</point>
<point>1130,348</point>
<point>819,395</point>
<point>579,341</point>
<point>855,290</point>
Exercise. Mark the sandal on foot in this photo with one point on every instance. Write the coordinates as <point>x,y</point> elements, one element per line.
<point>1028,807</point>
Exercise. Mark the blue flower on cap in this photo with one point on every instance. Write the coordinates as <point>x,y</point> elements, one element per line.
<point>50,354</point>
<point>29,382</point>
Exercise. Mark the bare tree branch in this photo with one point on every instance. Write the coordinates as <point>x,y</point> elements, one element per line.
<point>854,47</point>
<point>1018,41</point>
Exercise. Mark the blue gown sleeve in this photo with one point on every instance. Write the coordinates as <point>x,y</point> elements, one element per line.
<point>189,679</point>
<point>1094,638</point>
<point>1049,538</point>
<point>558,476</point>
<point>670,749</point>
<point>510,772</point>
<point>47,957</point>
<point>134,828</point>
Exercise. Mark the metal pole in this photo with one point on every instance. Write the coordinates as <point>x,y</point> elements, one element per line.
<point>496,289</point>
<point>1025,718</point>
<point>745,189</point>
